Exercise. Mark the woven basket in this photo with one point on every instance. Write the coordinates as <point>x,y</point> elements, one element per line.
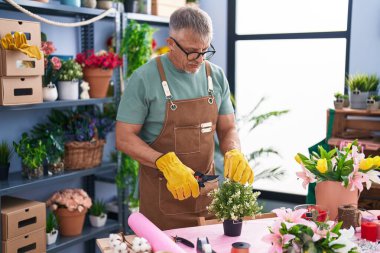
<point>83,155</point>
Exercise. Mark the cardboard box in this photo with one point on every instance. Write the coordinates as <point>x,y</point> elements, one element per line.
<point>15,63</point>
<point>32,30</point>
<point>20,90</point>
<point>21,216</point>
<point>32,242</point>
<point>165,8</point>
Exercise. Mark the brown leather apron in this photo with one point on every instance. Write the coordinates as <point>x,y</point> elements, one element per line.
<point>188,130</point>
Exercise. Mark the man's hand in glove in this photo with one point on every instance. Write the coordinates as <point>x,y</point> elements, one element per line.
<point>181,181</point>
<point>236,167</point>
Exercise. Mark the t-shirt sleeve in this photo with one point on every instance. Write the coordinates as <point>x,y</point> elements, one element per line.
<point>226,104</point>
<point>133,106</point>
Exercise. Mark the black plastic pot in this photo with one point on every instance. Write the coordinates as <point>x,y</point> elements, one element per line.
<point>4,171</point>
<point>232,227</point>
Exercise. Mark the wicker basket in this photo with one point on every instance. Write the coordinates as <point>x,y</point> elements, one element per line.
<point>83,155</point>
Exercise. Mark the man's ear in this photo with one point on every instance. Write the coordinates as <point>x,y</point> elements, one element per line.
<point>170,43</point>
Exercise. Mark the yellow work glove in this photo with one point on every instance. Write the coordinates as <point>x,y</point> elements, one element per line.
<point>236,167</point>
<point>18,42</point>
<point>181,181</point>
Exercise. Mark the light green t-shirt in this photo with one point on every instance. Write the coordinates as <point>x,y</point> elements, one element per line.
<point>143,101</point>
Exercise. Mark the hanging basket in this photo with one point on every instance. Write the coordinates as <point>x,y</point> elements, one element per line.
<point>70,223</point>
<point>99,81</point>
<point>83,155</point>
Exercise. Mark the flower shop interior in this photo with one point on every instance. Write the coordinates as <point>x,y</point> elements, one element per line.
<point>304,177</point>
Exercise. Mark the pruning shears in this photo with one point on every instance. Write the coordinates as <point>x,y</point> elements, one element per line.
<point>202,178</point>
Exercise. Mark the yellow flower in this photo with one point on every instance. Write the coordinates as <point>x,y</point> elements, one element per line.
<point>298,159</point>
<point>322,165</point>
<point>366,164</point>
<point>376,161</point>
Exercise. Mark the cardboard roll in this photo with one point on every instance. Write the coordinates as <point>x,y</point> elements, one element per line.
<point>240,247</point>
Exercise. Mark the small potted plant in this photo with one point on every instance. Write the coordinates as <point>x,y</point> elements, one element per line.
<point>6,152</point>
<point>98,215</point>
<point>32,153</point>
<point>51,229</point>
<point>346,101</point>
<point>339,101</point>
<point>361,86</point>
<point>52,66</point>
<point>231,203</point>
<point>373,103</point>
<point>68,80</point>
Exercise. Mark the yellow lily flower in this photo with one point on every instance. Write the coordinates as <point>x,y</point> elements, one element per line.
<point>298,159</point>
<point>322,165</point>
<point>376,161</point>
<point>366,164</point>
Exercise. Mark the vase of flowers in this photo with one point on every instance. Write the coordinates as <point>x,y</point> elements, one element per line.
<point>340,174</point>
<point>291,233</point>
<point>70,206</point>
<point>98,70</point>
<point>52,66</point>
<point>68,83</point>
<point>231,203</point>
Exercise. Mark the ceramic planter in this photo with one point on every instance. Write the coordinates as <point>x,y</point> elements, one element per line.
<point>51,237</point>
<point>50,93</point>
<point>105,5</point>
<point>99,81</point>
<point>358,99</point>
<point>4,171</point>
<point>372,105</point>
<point>75,3</point>
<point>232,227</point>
<point>70,223</point>
<point>346,102</point>
<point>68,90</point>
<point>338,105</point>
<point>89,3</point>
<point>98,221</point>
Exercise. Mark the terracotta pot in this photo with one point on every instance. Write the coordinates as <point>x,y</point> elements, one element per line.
<point>331,194</point>
<point>70,223</point>
<point>99,80</point>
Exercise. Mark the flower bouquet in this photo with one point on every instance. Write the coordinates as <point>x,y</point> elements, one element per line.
<point>231,203</point>
<point>98,69</point>
<point>292,233</point>
<point>70,206</point>
<point>339,173</point>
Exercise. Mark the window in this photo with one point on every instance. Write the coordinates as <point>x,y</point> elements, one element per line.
<point>293,53</point>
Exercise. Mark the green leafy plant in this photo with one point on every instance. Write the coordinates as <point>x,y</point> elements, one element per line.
<point>51,223</point>
<point>127,176</point>
<point>233,201</point>
<point>6,152</point>
<point>98,208</point>
<point>70,71</point>
<point>31,151</point>
<point>339,96</point>
<point>374,98</point>
<point>136,45</point>
<point>362,82</point>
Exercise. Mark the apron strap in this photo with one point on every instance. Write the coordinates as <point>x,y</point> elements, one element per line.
<point>210,86</point>
<point>164,84</point>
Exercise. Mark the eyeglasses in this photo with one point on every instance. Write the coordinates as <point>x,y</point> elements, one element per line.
<point>195,55</point>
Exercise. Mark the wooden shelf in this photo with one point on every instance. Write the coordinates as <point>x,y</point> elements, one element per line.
<point>371,145</point>
<point>358,112</point>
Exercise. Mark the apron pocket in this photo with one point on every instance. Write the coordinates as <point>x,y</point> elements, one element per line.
<point>203,200</point>
<point>169,205</point>
<point>187,139</point>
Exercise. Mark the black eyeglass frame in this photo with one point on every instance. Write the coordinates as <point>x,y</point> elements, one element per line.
<point>213,51</point>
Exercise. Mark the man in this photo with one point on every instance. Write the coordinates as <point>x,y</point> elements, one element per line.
<point>167,118</point>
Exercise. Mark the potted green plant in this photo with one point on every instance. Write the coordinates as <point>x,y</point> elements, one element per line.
<point>373,102</point>
<point>32,153</point>
<point>346,101</point>
<point>98,215</point>
<point>52,137</point>
<point>339,101</point>
<point>51,228</point>
<point>361,87</point>
<point>68,80</point>
<point>231,203</point>
<point>6,152</point>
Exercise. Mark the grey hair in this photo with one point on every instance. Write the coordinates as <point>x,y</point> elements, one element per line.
<point>192,18</point>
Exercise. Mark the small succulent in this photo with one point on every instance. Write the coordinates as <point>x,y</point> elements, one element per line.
<point>70,71</point>
<point>51,223</point>
<point>98,208</point>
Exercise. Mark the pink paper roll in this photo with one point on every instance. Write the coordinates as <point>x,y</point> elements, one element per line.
<point>156,238</point>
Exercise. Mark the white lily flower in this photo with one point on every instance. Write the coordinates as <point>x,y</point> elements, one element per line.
<point>345,239</point>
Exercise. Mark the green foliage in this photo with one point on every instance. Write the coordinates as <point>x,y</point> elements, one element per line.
<point>234,201</point>
<point>136,45</point>
<point>31,151</point>
<point>51,223</point>
<point>70,70</point>
<point>374,98</point>
<point>6,152</point>
<point>52,137</point>
<point>338,96</point>
<point>362,82</point>
<point>98,208</point>
<point>127,176</point>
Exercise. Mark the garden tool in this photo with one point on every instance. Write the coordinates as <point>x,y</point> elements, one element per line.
<point>18,42</point>
<point>183,241</point>
<point>202,178</point>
